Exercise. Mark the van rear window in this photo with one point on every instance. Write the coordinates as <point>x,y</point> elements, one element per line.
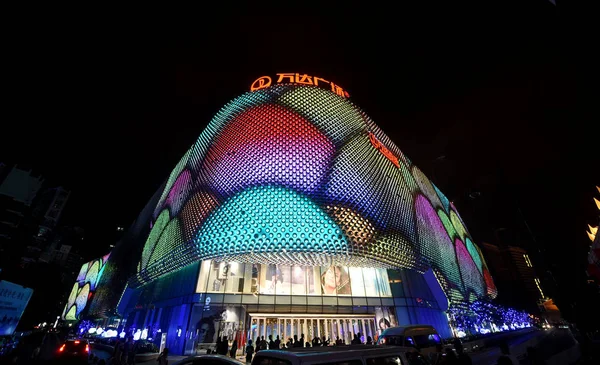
<point>424,340</point>
<point>394,340</point>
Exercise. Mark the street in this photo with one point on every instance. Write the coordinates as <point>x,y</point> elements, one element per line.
<point>546,343</point>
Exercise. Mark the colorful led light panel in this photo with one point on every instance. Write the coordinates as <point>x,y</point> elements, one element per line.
<point>294,174</point>
<point>87,281</point>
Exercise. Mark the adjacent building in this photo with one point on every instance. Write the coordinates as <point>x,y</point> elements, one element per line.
<point>593,268</point>
<point>18,188</point>
<point>515,276</point>
<point>292,214</point>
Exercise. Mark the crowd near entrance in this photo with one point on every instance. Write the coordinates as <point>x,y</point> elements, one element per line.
<point>332,327</point>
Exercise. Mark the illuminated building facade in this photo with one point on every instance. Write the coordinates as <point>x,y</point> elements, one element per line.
<point>84,288</point>
<point>293,214</point>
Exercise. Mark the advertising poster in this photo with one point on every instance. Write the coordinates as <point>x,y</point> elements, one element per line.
<point>385,318</point>
<point>335,280</point>
<point>13,300</point>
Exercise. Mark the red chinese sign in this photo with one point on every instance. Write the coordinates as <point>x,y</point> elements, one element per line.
<point>296,78</point>
<point>384,151</point>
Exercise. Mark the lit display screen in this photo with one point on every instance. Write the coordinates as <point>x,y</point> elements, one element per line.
<point>84,288</point>
<point>297,175</point>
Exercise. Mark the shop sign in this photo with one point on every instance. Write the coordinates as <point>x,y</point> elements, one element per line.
<point>299,79</point>
<point>384,151</point>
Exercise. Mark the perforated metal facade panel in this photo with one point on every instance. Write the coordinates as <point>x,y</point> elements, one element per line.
<point>296,174</point>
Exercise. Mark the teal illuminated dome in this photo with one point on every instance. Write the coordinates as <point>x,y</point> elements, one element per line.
<point>295,174</point>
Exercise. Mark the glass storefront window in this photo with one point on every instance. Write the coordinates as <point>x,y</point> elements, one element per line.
<point>234,277</point>
<point>203,279</point>
<point>370,282</point>
<point>357,283</point>
<point>215,283</point>
<point>383,283</point>
<point>299,280</point>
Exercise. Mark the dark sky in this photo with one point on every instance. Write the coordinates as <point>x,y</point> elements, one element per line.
<point>106,105</point>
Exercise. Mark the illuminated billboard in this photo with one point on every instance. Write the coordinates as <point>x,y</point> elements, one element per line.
<point>84,288</point>
<point>294,174</point>
<point>13,301</point>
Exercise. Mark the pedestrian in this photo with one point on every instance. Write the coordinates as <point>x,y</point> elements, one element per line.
<point>271,342</point>
<point>125,352</point>
<point>369,340</point>
<point>505,354</point>
<point>163,358</point>
<point>117,353</point>
<point>217,345</point>
<point>463,358</point>
<point>277,342</point>
<point>315,341</point>
<point>355,340</point>
<point>224,347</point>
<point>249,352</point>
<point>233,350</point>
<point>132,351</point>
<point>263,343</point>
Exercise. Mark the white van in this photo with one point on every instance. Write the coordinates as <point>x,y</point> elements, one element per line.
<point>423,337</point>
<point>341,355</point>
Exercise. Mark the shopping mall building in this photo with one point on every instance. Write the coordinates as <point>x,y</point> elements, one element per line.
<point>293,213</point>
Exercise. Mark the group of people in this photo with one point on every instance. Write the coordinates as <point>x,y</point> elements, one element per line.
<point>222,347</point>
<point>124,353</point>
<point>262,344</point>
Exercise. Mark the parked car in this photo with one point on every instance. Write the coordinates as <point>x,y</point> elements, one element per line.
<point>422,337</point>
<point>341,355</point>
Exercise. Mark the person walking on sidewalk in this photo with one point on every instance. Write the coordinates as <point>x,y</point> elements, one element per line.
<point>233,349</point>
<point>249,352</point>
<point>163,358</point>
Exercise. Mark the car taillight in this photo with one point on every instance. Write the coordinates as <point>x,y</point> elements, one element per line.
<point>61,348</point>
<point>87,348</point>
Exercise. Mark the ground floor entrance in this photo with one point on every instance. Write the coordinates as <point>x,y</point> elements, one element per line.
<point>330,326</point>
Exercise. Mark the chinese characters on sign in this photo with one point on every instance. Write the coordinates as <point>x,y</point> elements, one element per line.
<point>384,151</point>
<point>11,294</point>
<point>13,300</point>
<point>296,78</point>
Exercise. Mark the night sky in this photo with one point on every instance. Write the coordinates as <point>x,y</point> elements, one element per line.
<point>106,107</point>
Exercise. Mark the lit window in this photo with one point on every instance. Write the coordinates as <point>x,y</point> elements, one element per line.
<point>537,283</point>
